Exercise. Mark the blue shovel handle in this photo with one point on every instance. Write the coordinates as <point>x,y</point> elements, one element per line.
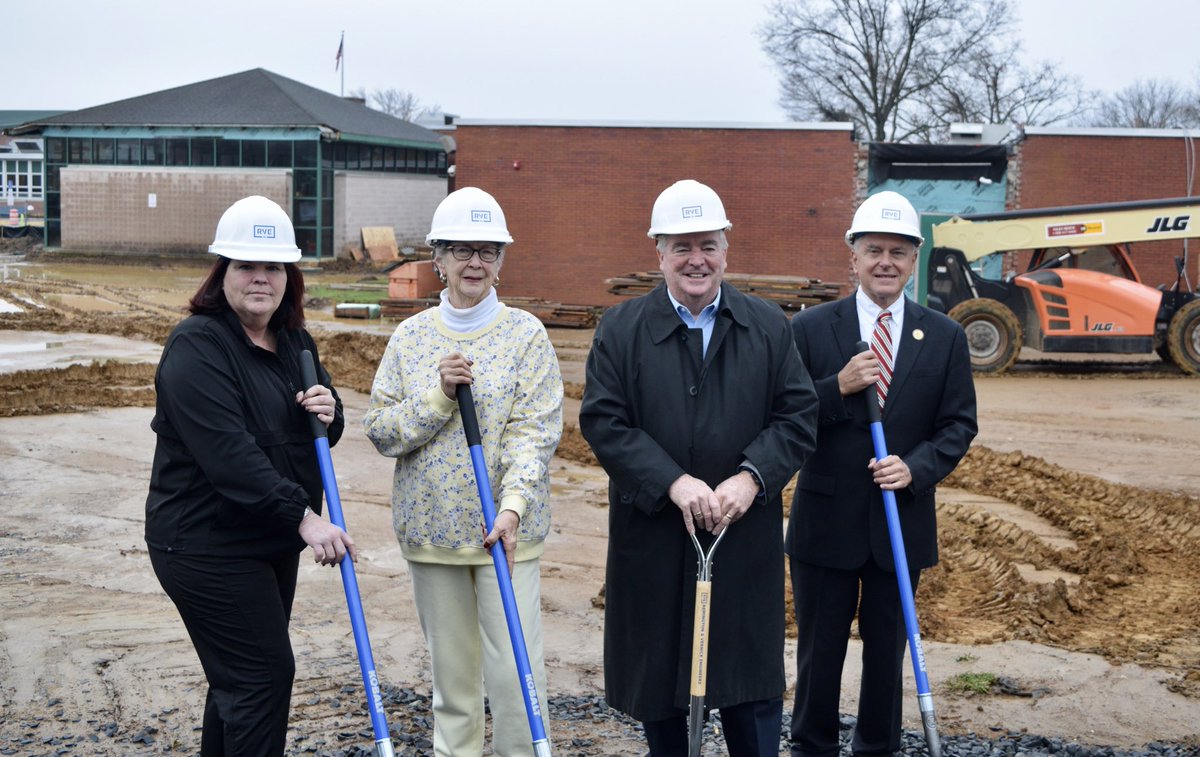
<point>362,642</point>
<point>904,583</point>
<point>533,711</point>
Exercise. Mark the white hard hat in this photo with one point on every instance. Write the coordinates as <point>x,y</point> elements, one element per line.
<point>468,215</point>
<point>886,213</point>
<point>256,229</point>
<point>687,206</point>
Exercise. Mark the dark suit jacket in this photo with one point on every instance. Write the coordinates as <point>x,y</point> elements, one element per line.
<point>837,517</point>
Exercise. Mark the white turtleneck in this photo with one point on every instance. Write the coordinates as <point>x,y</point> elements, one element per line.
<point>466,320</point>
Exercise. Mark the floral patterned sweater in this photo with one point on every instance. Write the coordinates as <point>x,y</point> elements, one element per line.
<point>518,396</point>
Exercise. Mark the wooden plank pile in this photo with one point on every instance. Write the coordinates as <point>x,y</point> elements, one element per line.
<point>789,292</point>
<point>549,313</point>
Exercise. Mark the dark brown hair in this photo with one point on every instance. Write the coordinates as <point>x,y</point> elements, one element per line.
<point>209,299</point>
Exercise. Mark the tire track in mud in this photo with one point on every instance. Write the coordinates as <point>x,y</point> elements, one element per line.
<point>1124,587</point>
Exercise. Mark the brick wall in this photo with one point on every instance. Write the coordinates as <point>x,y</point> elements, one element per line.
<point>107,208</point>
<point>403,201</point>
<point>578,199</point>
<point>1077,169</point>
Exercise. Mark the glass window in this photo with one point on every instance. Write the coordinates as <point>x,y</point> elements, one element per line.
<point>53,232</point>
<point>152,152</point>
<point>80,150</point>
<point>177,152</point>
<point>56,150</point>
<point>376,158</point>
<point>327,242</point>
<point>306,212</point>
<point>53,207</point>
<point>338,153</point>
<point>327,212</point>
<point>279,154</point>
<point>306,154</point>
<point>128,152</point>
<point>229,152</point>
<point>327,183</point>
<point>351,157</point>
<point>204,151</point>
<point>410,159</point>
<point>105,151</point>
<point>254,153</point>
<point>306,240</point>
<point>304,183</point>
<point>52,179</point>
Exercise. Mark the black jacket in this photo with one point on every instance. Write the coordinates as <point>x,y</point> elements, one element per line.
<point>838,519</point>
<point>235,464</point>
<point>653,410</point>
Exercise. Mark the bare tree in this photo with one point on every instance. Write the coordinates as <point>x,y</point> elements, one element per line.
<point>1151,104</point>
<point>395,102</point>
<point>991,86</point>
<point>867,61</point>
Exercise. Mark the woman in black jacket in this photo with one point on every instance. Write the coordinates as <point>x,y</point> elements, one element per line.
<point>235,491</point>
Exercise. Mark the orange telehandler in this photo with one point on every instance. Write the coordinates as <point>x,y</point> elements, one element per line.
<point>1081,292</point>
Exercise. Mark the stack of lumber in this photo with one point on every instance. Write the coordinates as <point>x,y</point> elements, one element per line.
<point>549,313</point>
<point>399,308</point>
<point>556,313</point>
<point>789,292</point>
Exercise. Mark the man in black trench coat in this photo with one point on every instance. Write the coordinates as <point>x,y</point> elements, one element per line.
<point>698,407</point>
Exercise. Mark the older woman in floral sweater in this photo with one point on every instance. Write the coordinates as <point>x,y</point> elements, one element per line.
<point>506,357</point>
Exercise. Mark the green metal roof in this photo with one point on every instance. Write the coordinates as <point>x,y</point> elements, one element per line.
<point>252,99</point>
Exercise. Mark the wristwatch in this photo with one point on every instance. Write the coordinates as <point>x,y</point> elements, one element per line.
<point>749,468</point>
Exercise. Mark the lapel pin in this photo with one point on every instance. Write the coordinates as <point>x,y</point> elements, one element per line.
<point>918,334</point>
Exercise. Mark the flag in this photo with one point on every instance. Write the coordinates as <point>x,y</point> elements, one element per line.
<point>337,61</point>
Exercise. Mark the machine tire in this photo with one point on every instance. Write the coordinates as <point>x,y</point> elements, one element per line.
<point>1183,338</point>
<point>993,334</point>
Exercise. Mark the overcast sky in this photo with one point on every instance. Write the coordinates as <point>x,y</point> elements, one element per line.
<point>639,60</point>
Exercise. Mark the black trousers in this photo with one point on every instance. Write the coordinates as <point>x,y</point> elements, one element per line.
<point>236,612</point>
<point>751,730</point>
<point>826,600</point>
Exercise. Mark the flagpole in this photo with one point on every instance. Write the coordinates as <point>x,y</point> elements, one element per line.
<point>341,61</point>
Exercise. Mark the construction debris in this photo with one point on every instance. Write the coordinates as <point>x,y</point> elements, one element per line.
<point>789,292</point>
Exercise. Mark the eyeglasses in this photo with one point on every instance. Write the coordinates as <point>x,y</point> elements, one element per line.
<point>466,252</point>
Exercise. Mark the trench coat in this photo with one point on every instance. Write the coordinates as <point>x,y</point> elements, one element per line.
<point>654,409</point>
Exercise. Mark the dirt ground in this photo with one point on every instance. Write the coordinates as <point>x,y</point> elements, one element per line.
<point>1070,541</point>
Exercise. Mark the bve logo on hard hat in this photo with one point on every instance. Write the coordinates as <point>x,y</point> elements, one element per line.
<point>693,211</point>
<point>481,216</point>
<point>891,215</point>
<point>262,231</point>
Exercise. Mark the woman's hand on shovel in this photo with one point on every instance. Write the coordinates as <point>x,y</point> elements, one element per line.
<point>330,544</point>
<point>504,530</point>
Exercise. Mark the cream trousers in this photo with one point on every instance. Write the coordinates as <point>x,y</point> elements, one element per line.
<point>462,616</point>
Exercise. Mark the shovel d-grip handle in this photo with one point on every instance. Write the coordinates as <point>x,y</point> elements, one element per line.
<point>903,582</point>
<point>358,622</point>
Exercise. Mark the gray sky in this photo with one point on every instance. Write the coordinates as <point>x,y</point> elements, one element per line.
<point>643,60</point>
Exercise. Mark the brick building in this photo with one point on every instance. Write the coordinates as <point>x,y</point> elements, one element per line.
<point>153,173</point>
<point>578,195</point>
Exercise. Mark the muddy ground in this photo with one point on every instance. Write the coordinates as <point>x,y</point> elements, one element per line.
<point>1070,542</point>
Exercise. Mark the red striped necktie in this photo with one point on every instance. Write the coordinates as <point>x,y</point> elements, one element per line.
<point>881,345</point>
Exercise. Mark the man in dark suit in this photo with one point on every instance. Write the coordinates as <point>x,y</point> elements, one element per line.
<point>837,540</point>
